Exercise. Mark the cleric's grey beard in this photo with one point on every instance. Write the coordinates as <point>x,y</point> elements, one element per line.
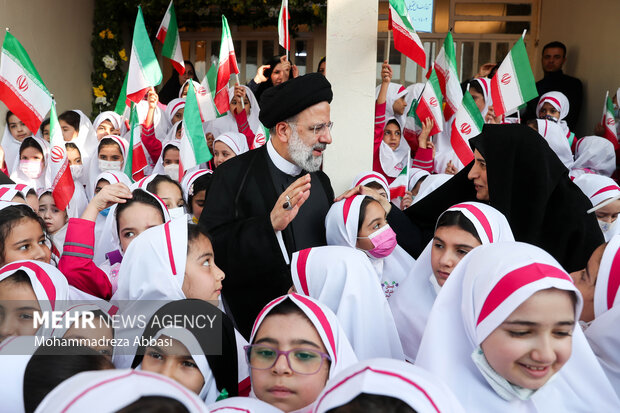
<point>302,154</point>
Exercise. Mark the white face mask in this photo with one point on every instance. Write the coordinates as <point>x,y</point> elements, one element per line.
<point>32,169</point>
<point>606,226</point>
<point>176,212</point>
<point>76,171</point>
<point>502,387</point>
<point>172,171</point>
<point>109,165</point>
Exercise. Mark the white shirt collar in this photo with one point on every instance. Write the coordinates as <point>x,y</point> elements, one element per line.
<point>281,163</point>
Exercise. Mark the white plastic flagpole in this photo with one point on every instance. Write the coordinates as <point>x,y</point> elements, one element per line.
<point>604,109</point>
<point>388,48</point>
<point>523,35</point>
<point>239,83</point>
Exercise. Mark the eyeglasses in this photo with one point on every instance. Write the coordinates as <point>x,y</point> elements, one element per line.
<point>300,360</point>
<point>318,129</point>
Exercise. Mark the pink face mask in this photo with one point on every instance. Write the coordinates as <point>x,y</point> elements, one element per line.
<point>383,240</point>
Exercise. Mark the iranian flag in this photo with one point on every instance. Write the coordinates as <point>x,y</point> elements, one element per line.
<point>406,40</point>
<point>168,35</point>
<point>63,186</point>
<point>206,94</point>
<point>430,103</point>
<point>283,26</point>
<point>445,67</point>
<point>136,156</point>
<point>398,187</point>
<point>144,70</point>
<point>513,83</point>
<point>227,66</point>
<point>194,149</point>
<point>21,87</point>
<point>468,123</point>
<point>609,123</point>
<point>121,101</point>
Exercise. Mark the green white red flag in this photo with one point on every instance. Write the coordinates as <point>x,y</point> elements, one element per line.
<point>406,40</point>
<point>168,35</point>
<point>398,187</point>
<point>467,123</point>
<point>283,17</point>
<point>445,67</point>
<point>63,186</point>
<point>121,101</point>
<point>430,103</point>
<point>206,94</point>
<point>194,149</point>
<point>227,66</point>
<point>136,154</point>
<point>513,83</point>
<point>21,87</point>
<point>609,123</point>
<point>144,70</point>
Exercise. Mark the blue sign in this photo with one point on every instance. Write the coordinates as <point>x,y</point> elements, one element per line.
<point>421,13</point>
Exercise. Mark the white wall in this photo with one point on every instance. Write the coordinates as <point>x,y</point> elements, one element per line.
<point>56,34</point>
<point>351,56</point>
<point>591,32</point>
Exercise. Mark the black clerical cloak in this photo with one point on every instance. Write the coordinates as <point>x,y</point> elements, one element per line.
<point>237,211</point>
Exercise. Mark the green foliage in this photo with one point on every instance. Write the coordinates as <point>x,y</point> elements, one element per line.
<point>111,15</point>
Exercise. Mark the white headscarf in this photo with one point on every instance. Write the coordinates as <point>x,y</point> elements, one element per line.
<point>86,141</point>
<point>11,146</point>
<point>228,123</point>
<point>394,161</point>
<point>326,324</point>
<point>603,334</point>
<point>485,85</point>
<point>159,166</point>
<point>412,302</point>
<point>236,141</point>
<point>111,390</point>
<point>430,184</point>
<point>395,91</point>
<point>341,227</point>
<point>601,191</point>
<point>595,153</point>
<point>45,179</point>
<point>15,353</point>
<point>367,177</point>
<point>187,183</point>
<point>560,102</point>
<point>343,279</point>
<point>173,107</point>
<point>478,296</point>
<point>94,170</point>
<point>243,405</point>
<point>9,191</point>
<point>415,174</point>
<point>112,117</point>
<point>552,132</point>
<point>385,377</point>
<point>172,132</point>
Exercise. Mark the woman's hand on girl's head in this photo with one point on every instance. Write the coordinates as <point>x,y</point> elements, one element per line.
<point>374,194</point>
<point>260,74</point>
<point>109,195</point>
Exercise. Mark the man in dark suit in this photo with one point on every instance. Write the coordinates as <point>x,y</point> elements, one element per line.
<point>270,202</point>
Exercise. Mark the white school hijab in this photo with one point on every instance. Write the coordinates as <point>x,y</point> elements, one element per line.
<point>603,334</point>
<point>341,226</point>
<point>112,117</point>
<point>552,132</point>
<point>187,183</point>
<point>394,161</point>
<point>173,107</point>
<point>430,184</point>
<point>10,145</point>
<point>394,92</point>
<point>601,191</point>
<point>416,387</point>
<point>111,390</point>
<point>326,324</point>
<point>478,296</point>
<point>243,405</point>
<point>236,141</point>
<point>159,168</point>
<point>367,177</point>
<point>560,102</point>
<point>15,353</point>
<point>343,279</point>
<point>94,169</point>
<point>596,154</point>
<point>228,123</point>
<point>412,302</point>
<point>45,179</point>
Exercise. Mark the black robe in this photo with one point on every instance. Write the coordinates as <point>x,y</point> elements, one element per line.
<point>237,211</point>
<point>528,184</point>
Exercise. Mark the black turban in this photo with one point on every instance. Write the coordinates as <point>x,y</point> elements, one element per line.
<point>289,98</point>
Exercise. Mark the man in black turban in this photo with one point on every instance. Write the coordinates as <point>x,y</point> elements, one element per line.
<point>268,203</point>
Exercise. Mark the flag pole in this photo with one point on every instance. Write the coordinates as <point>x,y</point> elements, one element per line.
<point>388,48</point>
<point>523,35</point>
<point>239,83</point>
<point>604,108</point>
